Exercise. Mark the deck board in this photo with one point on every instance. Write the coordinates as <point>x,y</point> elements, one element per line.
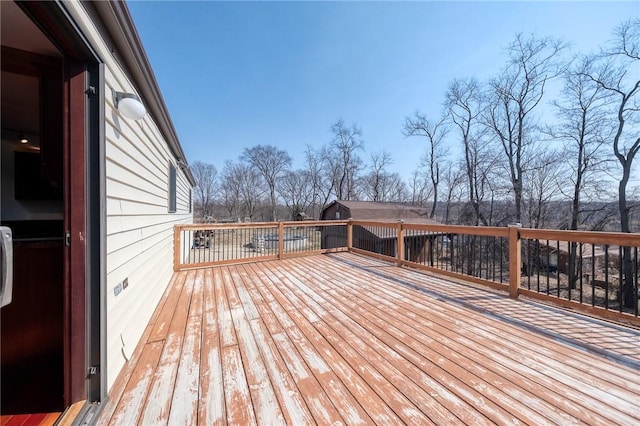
<point>343,338</point>
<point>211,409</point>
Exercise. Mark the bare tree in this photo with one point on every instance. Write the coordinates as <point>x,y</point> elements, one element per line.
<point>616,72</point>
<point>375,184</point>
<point>434,132</point>
<point>514,95</point>
<point>390,187</point>
<point>419,186</point>
<point>272,163</point>
<point>206,176</point>
<point>465,104</point>
<point>584,126</point>
<point>321,173</point>
<point>343,158</point>
<point>396,188</point>
<point>540,186</point>
<point>243,189</point>
<point>379,175</point>
<point>453,179</point>
<point>296,189</point>
<point>230,190</point>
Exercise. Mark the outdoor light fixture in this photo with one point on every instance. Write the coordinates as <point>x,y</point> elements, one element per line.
<point>23,138</point>
<point>129,105</point>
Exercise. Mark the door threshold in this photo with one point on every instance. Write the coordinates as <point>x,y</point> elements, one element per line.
<point>70,414</point>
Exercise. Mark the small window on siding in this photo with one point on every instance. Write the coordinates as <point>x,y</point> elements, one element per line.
<point>172,188</point>
<point>337,215</point>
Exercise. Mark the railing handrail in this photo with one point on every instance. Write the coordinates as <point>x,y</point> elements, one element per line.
<point>591,237</point>
<point>261,225</point>
<point>493,231</point>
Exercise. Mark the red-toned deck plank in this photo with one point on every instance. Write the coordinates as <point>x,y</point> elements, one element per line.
<point>347,339</point>
<point>184,407</point>
<point>158,404</point>
<point>225,323</point>
<point>236,390</point>
<point>163,319</point>
<point>16,419</point>
<point>130,405</point>
<point>31,419</point>
<point>211,410</point>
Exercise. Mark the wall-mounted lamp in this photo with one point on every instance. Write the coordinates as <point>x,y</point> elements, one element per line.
<point>182,165</point>
<point>23,138</point>
<point>129,105</point>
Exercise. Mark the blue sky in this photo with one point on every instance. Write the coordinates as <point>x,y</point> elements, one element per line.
<point>239,74</point>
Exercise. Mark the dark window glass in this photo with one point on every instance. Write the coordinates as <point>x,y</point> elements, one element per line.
<point>172,188</point>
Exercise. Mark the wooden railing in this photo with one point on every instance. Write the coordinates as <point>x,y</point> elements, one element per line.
<point>202,245</point>
<point>599,271</point>
<point>596,272</point>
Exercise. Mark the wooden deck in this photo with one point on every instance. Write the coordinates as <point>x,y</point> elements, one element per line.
<point>341,338</point>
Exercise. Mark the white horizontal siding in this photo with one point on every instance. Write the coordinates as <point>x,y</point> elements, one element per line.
<point>123,223</point>
<point>139,231</point>
<point>133,158</point>
<point>139,228</point>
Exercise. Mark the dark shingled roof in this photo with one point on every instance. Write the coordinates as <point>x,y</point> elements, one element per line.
<point>392,212</point>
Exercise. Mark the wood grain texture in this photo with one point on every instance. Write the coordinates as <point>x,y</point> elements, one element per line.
<point>348,339</point>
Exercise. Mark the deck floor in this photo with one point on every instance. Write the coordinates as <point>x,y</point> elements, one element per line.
<point>342,338</point>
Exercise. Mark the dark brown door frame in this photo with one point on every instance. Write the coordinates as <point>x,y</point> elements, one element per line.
<point>81,121</point>
<point>74,161</point>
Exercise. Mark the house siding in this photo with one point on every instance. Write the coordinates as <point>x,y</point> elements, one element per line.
<point>329,212</point>
<point>139,228</point>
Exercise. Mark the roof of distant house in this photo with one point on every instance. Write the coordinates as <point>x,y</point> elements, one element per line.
<point>382,211</point>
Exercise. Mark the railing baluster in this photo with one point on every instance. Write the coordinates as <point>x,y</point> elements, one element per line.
<point>637,292</point>
<point>528,264</point>
<point>593,275</point>
<point>558,268</point>
<point>620,279</point>
<point>580,269</point>
<point>606,276</point>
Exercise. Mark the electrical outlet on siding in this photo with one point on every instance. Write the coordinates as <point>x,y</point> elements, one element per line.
<point>121,286</point>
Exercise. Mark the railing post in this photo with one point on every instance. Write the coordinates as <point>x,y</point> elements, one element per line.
<point>400,245</point>
<point>349,235</point>
<point>515,254</point>
<point>280,240</point>
<point>176,248</point>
